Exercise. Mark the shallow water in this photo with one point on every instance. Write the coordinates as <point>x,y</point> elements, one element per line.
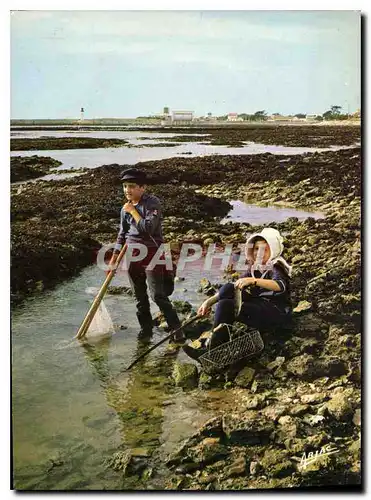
<point>92,158</point>
<point>256,215</point>
<point>73,405</point>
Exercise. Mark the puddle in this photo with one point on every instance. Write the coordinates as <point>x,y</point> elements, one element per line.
<point>76,405</point>
<point>256,215</point>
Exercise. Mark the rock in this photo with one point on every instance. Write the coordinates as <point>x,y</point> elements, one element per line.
<point>310,325</point>
<point>126,462</point>
<point>263,382</point>
<point>303,306</point>
<point>254,402</point>
<point>355,449</point>
<point>355,373</point>
<point>288,427</point>
<point>118,290</point>
<point>255,468</point>
<point>182,306</point>
<point>313,419</point>
<point>305,367</point>
<point>211,428</point>
<point>357,417</point>
<point>245,377</point>
<point>277,363</point>
<point>207,478</point>
<point>205,381</point>
<point>208,241</point>
<point>209,450</point>
<point>317,397</point>
<point>276,463</point>
<point>339,406</point>
<point>237,468</point>
<point>248,428</point>
<point>298,410</point>
<point>333,367</point>
<point>322,462</point>
<point>185,375</point>
<point>274,412</point>
<point>206,287</point>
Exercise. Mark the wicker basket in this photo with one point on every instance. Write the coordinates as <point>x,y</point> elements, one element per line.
<point>236,349</point>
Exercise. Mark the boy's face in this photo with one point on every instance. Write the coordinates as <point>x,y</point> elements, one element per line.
<point>133,191</point>
<point>261,251</point>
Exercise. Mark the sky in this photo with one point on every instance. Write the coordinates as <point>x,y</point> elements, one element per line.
<point>126,64</point>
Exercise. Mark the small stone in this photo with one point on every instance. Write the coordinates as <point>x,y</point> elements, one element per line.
<point>237,468</point>
<point>277,363</point>
<point>313,419</point>
<point>303,305</point>
<point>255,468</point>
<point>357,417</point>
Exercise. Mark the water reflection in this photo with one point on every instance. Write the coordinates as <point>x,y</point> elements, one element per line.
<point>256,215</point>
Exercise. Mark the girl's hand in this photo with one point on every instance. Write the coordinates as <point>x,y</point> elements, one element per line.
<point>244,282</point>
<point>204,309</point>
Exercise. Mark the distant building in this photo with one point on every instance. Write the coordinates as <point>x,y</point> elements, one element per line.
<point>166,120</point>
<point>357,114</point>
<point>182,117</point>
<point>233,117</point>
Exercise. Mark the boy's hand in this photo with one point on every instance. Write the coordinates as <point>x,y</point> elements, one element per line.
<point>112,264</point>
<point>244,282</point>
<point>129,207</point>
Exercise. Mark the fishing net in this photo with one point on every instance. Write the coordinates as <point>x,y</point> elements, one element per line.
<point>243,343</point>
<point>102,322</point>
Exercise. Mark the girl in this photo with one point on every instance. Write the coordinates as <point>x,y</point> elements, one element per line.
<point>264,291</point>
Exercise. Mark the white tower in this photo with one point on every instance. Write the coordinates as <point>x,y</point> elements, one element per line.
<point>81,114</point>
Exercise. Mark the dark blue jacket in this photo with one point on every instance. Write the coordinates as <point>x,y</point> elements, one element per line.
<point>281,298</point>
<point>148,227</point>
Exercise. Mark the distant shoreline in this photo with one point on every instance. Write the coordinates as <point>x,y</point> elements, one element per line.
<point>108,122</point>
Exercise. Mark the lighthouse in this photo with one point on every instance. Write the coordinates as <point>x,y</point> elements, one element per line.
<point>81,114</point>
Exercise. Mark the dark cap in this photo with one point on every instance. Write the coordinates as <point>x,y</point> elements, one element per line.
<point>134,175</point>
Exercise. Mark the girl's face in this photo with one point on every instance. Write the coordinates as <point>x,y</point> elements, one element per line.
<point>261,251</point>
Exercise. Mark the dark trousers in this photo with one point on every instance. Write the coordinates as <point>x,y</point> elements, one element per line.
<point>255,311</point>
<point>139,277</point>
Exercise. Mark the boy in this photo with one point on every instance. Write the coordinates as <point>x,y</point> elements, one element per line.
<point>140,222</point>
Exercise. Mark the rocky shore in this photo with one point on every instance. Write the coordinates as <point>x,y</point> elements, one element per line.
<point>52,143</point>
<point>302,395</point>
<point>303,135</point>
<point>30,167</point>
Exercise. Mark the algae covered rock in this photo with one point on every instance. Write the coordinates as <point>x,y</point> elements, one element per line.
<point>245,377</point>
<point>340,406</point>
<point>248,428</point>
<point>208,450</point>
<point>185,375</point>
<point>310,325</point>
